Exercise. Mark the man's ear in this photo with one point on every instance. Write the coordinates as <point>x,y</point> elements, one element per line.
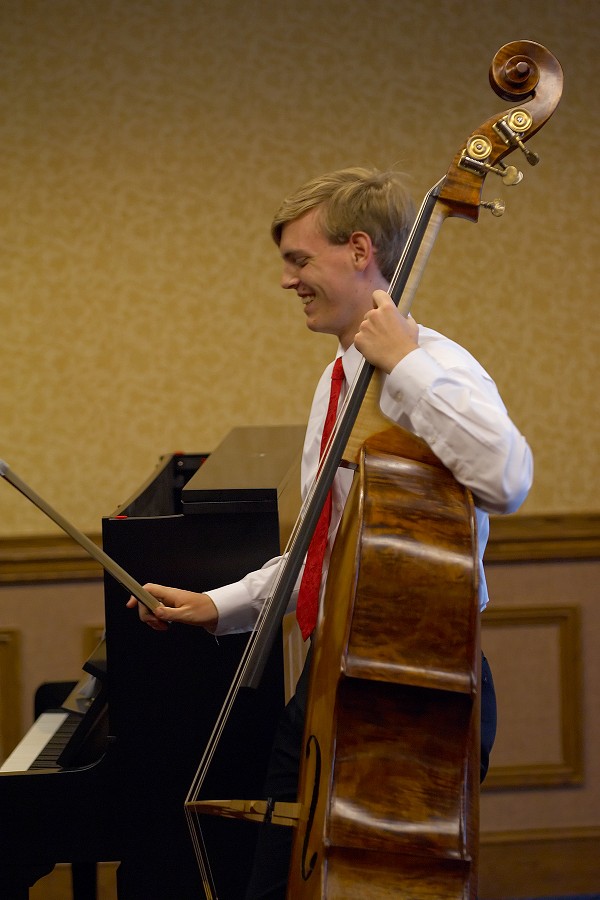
<point>361,248</point>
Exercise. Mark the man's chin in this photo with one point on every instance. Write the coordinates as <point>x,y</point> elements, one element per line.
<point>316,327</point>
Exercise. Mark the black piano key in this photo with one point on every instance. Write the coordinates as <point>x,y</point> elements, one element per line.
<point>48,757</point>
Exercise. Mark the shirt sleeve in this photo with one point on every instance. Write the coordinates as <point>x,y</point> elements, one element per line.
<point>443,395</point>
<point>239,604</point>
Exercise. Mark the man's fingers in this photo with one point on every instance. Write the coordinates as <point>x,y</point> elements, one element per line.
<point>380,298</point>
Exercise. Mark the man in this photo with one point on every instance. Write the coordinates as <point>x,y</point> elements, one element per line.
<point>340,237</point>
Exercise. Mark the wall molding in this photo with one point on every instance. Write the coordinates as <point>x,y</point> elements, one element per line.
<point>569,769</point>
<point>530,538</point>
<point>512,539</point>
<point>29,560</point>
<point>539,863</point>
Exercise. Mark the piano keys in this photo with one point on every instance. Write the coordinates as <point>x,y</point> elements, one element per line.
<point>196,522</point>
<point>74,734</point>
<point>43,743</point>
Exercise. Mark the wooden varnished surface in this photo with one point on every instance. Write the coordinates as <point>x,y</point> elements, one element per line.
<point>386,807</point>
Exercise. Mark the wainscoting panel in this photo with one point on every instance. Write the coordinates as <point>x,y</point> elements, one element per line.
<point>540,806</point>
<point>541,741</point>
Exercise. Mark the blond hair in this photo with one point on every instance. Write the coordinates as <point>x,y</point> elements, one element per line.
<point>356,199</point>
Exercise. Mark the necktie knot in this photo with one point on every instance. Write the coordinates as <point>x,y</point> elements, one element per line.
<point>338,370</point>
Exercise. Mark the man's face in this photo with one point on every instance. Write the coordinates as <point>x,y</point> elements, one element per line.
<point>326,278</point>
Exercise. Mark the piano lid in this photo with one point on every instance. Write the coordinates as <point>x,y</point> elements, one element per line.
<point>248,471</point>
<point>95,664</point>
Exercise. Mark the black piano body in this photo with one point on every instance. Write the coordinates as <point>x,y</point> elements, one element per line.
<point>197,522</point>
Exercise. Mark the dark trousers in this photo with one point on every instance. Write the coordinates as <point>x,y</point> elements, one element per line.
<point>269,876</point>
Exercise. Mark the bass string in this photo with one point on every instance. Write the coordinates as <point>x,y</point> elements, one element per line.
<point>326,471</point>
<point>349,401</point>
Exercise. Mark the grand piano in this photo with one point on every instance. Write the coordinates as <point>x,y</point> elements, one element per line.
<point>116,791</point>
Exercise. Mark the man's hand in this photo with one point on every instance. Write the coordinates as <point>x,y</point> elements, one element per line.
<point>178,606</point>
<point>385,335</point>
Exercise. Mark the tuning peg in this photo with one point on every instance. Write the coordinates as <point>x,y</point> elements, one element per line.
<point>512,127</point>
<point>496,207</point>
<point>510,175</point>
<point>531,157</point>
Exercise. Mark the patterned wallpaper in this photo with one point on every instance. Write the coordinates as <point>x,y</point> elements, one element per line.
<point>145,145</point>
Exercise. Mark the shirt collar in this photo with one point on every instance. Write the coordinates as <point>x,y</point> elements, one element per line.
<point>351,360</point>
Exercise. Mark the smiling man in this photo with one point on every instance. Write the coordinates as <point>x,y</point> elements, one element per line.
<point>340,237</point>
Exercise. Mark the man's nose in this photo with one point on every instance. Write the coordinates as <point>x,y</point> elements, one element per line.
<point>289,279</point>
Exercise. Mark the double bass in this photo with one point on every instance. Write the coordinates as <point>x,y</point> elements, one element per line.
<point>388,802</point>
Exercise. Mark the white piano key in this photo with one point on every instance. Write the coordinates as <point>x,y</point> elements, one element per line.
<point>41,732</point>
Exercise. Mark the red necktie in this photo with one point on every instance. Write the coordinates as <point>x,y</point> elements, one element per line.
<point>308,595</point>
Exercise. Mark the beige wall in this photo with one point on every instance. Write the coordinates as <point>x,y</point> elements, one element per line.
<point>56,627</point>
<point>145,145</point>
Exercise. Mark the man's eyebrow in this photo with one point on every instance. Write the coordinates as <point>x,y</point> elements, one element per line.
<point>291,255</point>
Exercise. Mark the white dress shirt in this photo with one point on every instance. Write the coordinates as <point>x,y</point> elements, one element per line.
<point>442,394</point>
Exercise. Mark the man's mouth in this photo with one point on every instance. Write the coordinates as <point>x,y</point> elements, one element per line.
<point>306,299</point>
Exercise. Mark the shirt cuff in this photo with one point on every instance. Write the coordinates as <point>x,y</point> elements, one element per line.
<point>234,605</point>
<point>410,378</point>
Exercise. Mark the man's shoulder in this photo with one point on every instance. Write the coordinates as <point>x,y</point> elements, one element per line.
<point>446,350</point>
